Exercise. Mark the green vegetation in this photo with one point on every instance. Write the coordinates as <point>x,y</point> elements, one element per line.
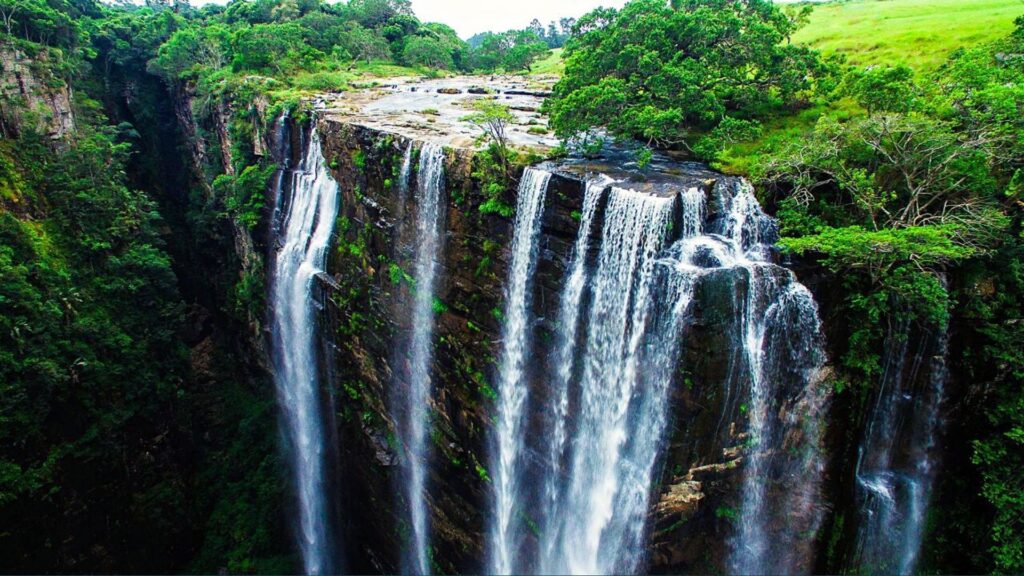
<point>921,33</point>
<point>551,64</point>
<point>512,51</point>
<point>661,74</point>
<point>133,409</point>
<point>922,181</point>
<point>891,178</point>
<point>91,368</point>
<point>536,49</point>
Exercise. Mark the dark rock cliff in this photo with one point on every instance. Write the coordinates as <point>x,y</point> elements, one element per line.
<point>366,299</point>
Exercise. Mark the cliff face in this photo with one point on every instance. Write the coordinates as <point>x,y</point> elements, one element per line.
<point>33,95</point>
<point>739,422</point>
<point>367,303</point>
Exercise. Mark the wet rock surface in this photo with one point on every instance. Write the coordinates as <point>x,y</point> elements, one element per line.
<point>434,110</point>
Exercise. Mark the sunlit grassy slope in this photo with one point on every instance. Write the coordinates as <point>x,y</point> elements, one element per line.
<point>921,33</point>
<point>550,64</point>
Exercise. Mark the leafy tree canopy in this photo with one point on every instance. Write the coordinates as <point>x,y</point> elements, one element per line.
<point>657,72</point>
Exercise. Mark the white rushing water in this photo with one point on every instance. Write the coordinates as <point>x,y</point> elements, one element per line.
<point>509,428</point>
<point>898,456</point>
<point>311,210</point>
<point>603,498</point>
<point>619,331</point>
<point>568,327</point>
<point>404,175</point>
<point>779,333</point>
<point>430,225</point>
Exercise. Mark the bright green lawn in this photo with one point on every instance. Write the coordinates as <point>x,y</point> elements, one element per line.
<point>550,64</point>
<point>920,33</point>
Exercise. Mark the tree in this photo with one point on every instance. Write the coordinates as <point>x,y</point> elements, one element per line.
<point>377,13</point>
<point>526,48</point>
<point>884,88</point>
<point>658,73</point>
<point>272,47</point>
<point>364,44</point>
<point>429,52</point>
<point>7,13</point>
<point>493,118</point>
<point>192,49</point>
<point>892,171</point>
<point>514,50</point>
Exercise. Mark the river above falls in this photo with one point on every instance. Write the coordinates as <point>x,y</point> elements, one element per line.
<point>434,110</point>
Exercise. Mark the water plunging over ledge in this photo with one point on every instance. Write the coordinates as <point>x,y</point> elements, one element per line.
<point>429,242</point>
<point>509,421</point>
<point>897,458</point>
<point>644,373</point>
<point>608,378</point>
<point>311,208</point>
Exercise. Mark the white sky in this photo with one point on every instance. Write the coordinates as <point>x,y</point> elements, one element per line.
<point>468,17</point>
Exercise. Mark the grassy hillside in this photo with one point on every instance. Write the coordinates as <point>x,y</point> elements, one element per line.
<point>550,64</point>
<point>921,33</point>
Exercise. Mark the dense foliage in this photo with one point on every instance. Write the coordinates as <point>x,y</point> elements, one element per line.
<point>134,431</point>
<point>91,369</point>
<point>661,73</point>
<point>132,415</point>
<point>915,202</point>
<point>511,51</point>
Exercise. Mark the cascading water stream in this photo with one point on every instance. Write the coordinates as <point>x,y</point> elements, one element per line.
<point>897,457</point>
<point>430,225</point>
<point>611,375</point>
<point>779,332</point>
<point>404,175</point>
<point>509,422</point>
<point>568,326</point>
<point>305,237</point>
<point>602,507</point>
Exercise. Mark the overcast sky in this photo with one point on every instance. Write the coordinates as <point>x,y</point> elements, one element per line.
<point>471,16</point>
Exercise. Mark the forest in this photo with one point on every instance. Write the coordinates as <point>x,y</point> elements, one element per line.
<point>141,160</point>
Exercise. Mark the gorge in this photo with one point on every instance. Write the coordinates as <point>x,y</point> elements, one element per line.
<point>687,287</point>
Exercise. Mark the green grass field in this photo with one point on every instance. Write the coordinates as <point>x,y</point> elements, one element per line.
<point>550,64</point>
<point>921,33</point>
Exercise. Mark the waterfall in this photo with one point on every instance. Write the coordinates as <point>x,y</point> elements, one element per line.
<point>305,237</point>
<point>779,334</point>
<point>511,402</point>
<point>603,500</point>
<point>415,401</point>
<point>403,178</point>
<point>620,324</point>
<point>568,326</point>
<point>898,456</point>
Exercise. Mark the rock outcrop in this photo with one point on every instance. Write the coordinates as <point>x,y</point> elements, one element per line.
<point>33,95</point>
